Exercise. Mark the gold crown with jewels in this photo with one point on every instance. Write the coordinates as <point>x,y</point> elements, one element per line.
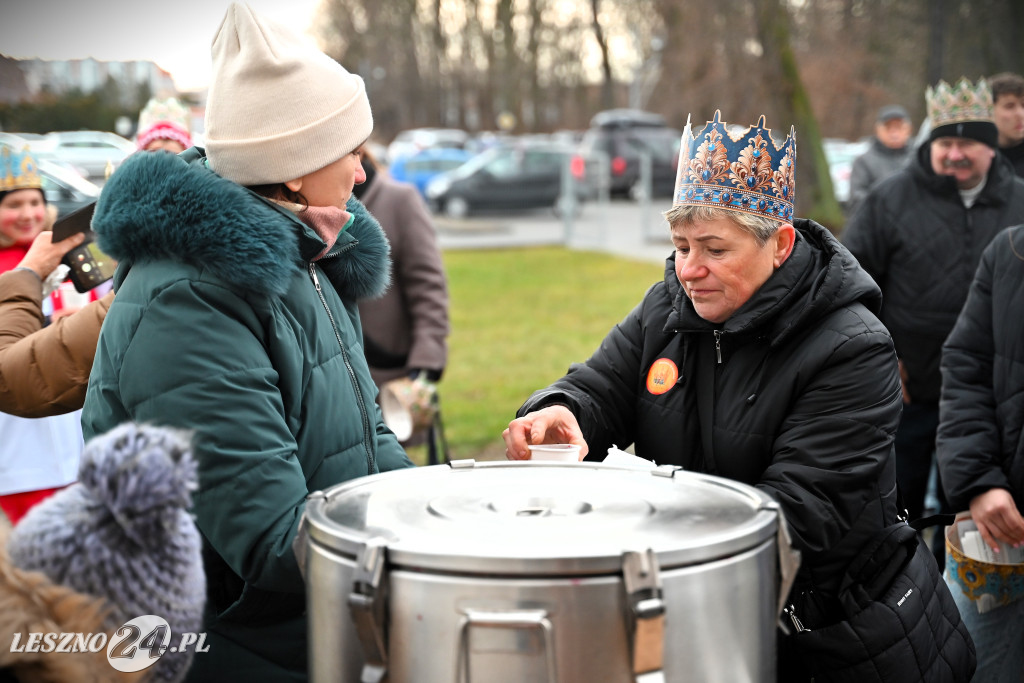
<point>20,171</point>
<point>959,103</point>
<point>746,171</point>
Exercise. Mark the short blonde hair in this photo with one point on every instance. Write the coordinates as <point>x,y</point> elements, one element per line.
<point>761,227</point>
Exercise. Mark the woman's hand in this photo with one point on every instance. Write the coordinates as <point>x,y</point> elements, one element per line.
<point>554,424</point>
<point>998,518</point>
<point>44,255</point>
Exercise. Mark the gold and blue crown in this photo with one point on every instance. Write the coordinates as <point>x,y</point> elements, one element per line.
<point>744,172</point>
<point>959,103</point>
<point>19,170</point>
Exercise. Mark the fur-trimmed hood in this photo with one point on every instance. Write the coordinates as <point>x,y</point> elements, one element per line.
<point>161,206</point>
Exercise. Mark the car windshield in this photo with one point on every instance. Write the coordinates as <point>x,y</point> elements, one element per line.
<point>661,143</point>
<point>68,178</point>
<point>476,163</point>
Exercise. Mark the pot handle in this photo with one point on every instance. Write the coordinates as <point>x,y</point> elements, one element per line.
<point>367,604</point>
<point>647,615</point>
<point>514,619</point>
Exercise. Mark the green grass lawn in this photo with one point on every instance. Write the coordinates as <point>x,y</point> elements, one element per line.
<point>519,317</point>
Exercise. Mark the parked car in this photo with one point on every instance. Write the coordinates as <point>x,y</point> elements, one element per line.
<point>91,151</point>
<point>64,188</point>
<point>520,175</point>
<point>19,141</point>
<point>622,137</point>
<point>414,140</point>
<point>422,167</point>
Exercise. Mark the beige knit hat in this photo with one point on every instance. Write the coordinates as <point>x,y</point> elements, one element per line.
<point>278,108</point>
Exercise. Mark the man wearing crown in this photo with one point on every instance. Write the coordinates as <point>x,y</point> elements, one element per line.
<point>920,235</point>
<point>758,358</point>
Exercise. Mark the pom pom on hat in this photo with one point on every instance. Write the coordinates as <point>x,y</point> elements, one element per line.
<point>123,533</point>
<point>278,108</point>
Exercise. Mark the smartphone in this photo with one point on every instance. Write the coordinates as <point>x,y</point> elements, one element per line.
<point>89,265</point>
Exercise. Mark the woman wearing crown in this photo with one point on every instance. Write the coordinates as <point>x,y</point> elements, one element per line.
<point>758,358</point>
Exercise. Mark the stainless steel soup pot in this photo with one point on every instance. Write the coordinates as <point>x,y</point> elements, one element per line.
<point>516,572</point>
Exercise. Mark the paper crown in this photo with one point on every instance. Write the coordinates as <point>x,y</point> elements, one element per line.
<point>746,172</point>
<point>960,103</point>
<point>163,120</point>
<point>19,170</point>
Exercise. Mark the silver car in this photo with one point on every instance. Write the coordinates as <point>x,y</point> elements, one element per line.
<point>92,152</point>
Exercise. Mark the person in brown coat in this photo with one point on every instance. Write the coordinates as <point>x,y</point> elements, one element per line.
<point>405,331</point>
<point>44,370</point>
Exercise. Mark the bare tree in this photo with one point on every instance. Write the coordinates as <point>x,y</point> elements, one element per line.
<point>607,95</point>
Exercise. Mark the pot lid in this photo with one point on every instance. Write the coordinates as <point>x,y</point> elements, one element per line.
<point>540,518</point>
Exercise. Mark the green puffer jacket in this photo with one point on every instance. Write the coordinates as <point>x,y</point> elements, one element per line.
<point>223,325</point>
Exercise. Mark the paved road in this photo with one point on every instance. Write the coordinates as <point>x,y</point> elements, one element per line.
<point>621,227</point>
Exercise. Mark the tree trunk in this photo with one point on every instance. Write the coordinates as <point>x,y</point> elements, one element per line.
<point>814,193</point>
<point>936,39</point>
<point>607,95</point>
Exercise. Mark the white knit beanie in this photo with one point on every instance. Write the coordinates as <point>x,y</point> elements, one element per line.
<point>278,108</point>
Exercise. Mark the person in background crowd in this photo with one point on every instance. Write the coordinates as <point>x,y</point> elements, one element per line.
<point>37,457</point>
<point>890,150</point>
<point>758,358</point>
<point>163,124</point>
<point>117,545</point>
<point>1008,112</point>
<point>44,370</point>
<point>405,332</point>
<point>979,448</point>
<point>920,235</point>
<point>239,272</point>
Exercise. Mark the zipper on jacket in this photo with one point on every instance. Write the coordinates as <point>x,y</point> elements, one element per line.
<point>351,370</point>
<point>797,624</point>
<point>718,345</point>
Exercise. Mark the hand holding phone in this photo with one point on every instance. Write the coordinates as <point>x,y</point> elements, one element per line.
<point>45,255</point>
<point>89,265</point>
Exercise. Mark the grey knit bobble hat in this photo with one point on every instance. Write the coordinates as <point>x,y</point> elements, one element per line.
<point>124,533</point>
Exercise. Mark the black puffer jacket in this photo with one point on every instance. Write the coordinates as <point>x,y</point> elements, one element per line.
<point>982,410</point>
<point>807,396</point>
<point>914,236</point>
<point>1016,156</point>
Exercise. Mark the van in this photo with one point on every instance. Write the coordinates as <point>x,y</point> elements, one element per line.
<point>622,137</point>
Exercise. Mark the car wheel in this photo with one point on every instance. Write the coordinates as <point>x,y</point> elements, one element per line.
<point>456,207</point>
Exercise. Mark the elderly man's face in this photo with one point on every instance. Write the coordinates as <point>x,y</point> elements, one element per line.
<point>1009,116</point>
<point>893,133</point>
<point>965,159</point>
<point>721,265</point>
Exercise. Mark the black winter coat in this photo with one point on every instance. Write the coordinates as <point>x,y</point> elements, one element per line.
<point>980,445</point>
<point>915,237</point>
<point>806,396</point>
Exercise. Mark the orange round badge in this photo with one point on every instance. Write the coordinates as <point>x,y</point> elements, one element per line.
<point>662,376</point>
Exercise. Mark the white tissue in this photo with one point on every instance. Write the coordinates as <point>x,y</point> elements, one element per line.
<point>53,280</point>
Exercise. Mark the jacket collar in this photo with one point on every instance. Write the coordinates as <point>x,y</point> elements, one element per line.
<point>819,276</point>
<point>998,184</point>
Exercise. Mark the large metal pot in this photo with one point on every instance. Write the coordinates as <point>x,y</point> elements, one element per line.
<point>510,572</point>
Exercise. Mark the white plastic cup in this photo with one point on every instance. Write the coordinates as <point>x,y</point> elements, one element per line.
<point>555,452</point>
<point>395,412</point>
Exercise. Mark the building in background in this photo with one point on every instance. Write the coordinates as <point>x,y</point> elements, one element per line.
<point>88,75</point>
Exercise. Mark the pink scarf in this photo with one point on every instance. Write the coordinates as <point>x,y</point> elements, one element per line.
<point>326,221</point>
